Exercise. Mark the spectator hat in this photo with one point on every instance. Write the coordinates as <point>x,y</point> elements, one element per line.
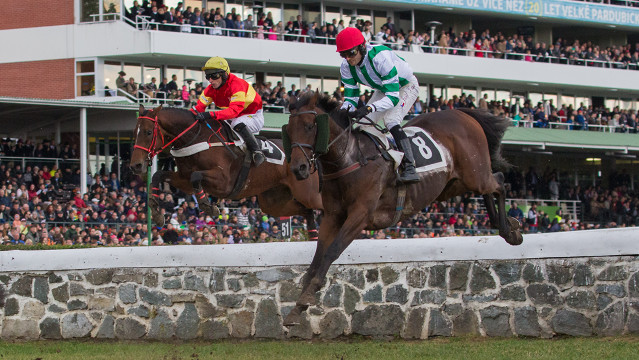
<point>265,218</point>
<point>122,73</point>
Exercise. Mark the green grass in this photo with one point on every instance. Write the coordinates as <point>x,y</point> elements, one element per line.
<point>440,348</point>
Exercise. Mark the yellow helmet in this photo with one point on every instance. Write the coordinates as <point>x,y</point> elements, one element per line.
<point>217,63</point>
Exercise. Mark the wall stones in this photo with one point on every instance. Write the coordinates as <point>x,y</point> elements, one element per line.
<point>534,298</point>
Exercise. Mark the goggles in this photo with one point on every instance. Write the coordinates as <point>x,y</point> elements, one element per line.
<point>214,76</point>
<point>348,53</point>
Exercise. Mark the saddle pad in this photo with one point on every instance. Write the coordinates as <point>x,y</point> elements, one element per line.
<point>428,153</point>
<point>273,154</point>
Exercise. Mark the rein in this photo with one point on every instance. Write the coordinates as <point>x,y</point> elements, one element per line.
<point>313,160</point>
<point>151,150</point>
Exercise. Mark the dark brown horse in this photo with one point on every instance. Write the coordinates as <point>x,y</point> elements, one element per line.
<point>215,170</point>
<point>360,189</point>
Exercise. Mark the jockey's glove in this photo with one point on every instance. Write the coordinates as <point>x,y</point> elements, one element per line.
<point>204,116</point>
<point>361,112</point>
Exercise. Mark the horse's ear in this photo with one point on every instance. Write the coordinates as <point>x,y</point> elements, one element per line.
<point>314,99</point>
<point>157,109</point>
<point>141,109</point>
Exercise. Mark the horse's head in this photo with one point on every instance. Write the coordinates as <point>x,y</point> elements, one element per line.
<point>146,135</point>
<point>306,134</point>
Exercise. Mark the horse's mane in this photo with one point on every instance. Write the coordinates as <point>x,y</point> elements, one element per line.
<point>327,103</point>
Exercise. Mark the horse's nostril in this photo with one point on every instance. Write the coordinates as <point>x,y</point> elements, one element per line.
<point>303,167</point>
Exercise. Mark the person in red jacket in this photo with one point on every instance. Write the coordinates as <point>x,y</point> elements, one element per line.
<point>240,104</point>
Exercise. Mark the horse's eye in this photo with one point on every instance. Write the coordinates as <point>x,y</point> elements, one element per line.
<point>149,132</point>
<point>309,127</point>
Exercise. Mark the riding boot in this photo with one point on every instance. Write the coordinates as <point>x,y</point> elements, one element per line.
<point>408,173</point>
<point>251,143</point>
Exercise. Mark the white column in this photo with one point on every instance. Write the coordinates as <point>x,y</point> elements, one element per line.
<point>107,154</point>
<point>97,156</point>
<point>83,151</point>
<point>58,133</point>
<point>118,158</point>
<point>154,165</point>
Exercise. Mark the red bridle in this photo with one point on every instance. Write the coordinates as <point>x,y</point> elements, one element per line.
<point>151,150</point>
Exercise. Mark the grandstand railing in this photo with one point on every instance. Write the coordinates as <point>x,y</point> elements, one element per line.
<point>37,161</point>
<point>143,23</point>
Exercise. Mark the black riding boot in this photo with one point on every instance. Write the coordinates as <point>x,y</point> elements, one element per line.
<point>251,143</point>
<point>407,174</point>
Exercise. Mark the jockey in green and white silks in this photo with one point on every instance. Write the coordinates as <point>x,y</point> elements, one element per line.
<point>395,88</point>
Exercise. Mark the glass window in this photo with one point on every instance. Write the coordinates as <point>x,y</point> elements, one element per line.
<point>332,12</point>
<point>178,72</point>
<point>85,66</point>
<point>233,4</point>
<point>276,10</point>
<point>85,85</point>
<point>535,98</point>
<point>193,76</point>
<point>211,6</point>
<point>582,101</point>
<point>193,4</point>
<point>490,93</point>
<point>453,90</point>
<point>568,100</point>
<point>88,8</point>
<point>150,72</point>
<point>290,80</point>
<point>111,7</point>
<point>329,85</point>
<point>502,95</point>
<point>423,93</point>
<point>625,104</point>
<point>133,71</point>
<point>290,13</point>
<point>379,19</point>
<point>311,12</point>
<point>611,103</point>
<point>365,15</point>
<point>250,78</point>
<point>438,91</point>
<point>111,70</point>
<point>315,82</point>
<point>471,91</point>
<point>273,79</point>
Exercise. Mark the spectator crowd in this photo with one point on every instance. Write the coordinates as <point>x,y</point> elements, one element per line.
<point>487,43</point>
<point>41,204</point>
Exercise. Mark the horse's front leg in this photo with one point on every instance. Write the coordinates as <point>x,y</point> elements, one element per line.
<point>328,230</point>
<point>334,245</point>
<point>154,203</point>
<point>202,198</point>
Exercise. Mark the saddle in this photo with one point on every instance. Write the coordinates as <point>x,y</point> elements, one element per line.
<point>384,143</point>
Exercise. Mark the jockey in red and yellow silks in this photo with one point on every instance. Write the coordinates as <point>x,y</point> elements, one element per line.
<point>239,103</point>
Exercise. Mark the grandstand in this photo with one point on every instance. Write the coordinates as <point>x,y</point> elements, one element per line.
<point>59,72</point>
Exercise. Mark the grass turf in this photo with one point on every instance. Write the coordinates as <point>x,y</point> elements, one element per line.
<point>626,347</point>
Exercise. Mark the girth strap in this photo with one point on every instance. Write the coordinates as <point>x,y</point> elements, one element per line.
<point>401,199</point>
<point>242,176</point>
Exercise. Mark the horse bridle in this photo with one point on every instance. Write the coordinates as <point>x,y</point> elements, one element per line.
<point>151,151</point>
<point>314,158</point>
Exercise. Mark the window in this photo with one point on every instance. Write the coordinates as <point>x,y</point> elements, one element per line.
<point>290,13</point>
<point>379,19</point>
<point>582,101</point>
<point>178,72</point>
<point>423,94</point>
<point>502,95</point>
<point>329,85</point>
<point>111,7</point>
<point>211,6</point>
<point>88,8</point>
<point>332,12</point>
<point>273,79</point>
<point>567,100</point>
<point>311,13</point>
<point>233,4</point>
<point>276,10</point>
<point>365,15</point>
<point>454,91</point>
<point>290,80</point>
<point>111,70</point>
<point>85,78</point>
<point>471,91</point>
<point>152,72</point>
<point>315,82</point>
<point>193,76</point>
<point>133,71</point>
<point>535,98</point>
<point>491,95</point>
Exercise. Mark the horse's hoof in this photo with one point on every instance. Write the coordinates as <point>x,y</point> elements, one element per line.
<point>211,210</point>
<point>158,219</point>
<point>293,318</point>
<point>514,238</point>
<point>514,223</point>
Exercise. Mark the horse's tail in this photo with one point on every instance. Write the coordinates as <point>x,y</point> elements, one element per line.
<point>494,129</point>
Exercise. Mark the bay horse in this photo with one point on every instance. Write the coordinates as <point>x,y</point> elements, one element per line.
<point>360,188</point>
<point>215,170</point>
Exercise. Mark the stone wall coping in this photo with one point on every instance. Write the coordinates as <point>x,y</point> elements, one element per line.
<point>607,242</point>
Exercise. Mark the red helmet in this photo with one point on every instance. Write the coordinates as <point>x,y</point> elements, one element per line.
<point>349,38</point>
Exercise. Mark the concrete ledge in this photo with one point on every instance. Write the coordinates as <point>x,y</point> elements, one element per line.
<point>609,242</point>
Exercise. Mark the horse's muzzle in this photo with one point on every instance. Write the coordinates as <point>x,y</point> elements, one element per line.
<point>301,172</point>
<point>138,168</point>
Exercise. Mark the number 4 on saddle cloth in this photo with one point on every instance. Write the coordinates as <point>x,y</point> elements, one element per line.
<point>273,153</point>
<point>429,154</point>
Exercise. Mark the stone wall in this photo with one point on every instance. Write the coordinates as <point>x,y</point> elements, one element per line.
<point>530,297</point>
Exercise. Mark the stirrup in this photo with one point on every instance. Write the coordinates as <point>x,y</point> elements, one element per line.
<point>408,175</point>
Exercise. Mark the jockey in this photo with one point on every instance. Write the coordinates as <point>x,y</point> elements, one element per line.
<point>237,99</point>
<point>396,89</point>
